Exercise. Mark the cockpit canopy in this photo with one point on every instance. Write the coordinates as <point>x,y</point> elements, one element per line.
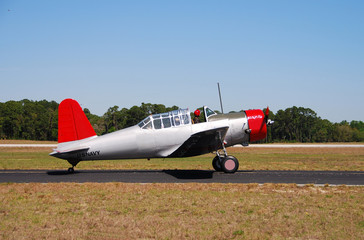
<point>208,112</point>
<point>166,120</point>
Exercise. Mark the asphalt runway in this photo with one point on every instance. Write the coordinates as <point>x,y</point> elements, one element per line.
<point>265,145</point>
<point>184,176</point>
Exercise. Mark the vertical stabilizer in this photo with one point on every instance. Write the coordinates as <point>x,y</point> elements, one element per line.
<point>72,122</point>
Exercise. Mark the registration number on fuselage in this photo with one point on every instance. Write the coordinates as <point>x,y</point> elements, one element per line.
<point>88,154</point>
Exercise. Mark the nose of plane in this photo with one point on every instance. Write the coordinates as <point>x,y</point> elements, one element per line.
<point>257,124</point>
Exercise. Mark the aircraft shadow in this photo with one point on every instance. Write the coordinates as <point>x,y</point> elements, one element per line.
<point>60,172</point>
<point>190,174</point>
<point>179,174</point>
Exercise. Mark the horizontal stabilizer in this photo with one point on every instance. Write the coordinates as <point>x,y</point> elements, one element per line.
<point>68,153</point>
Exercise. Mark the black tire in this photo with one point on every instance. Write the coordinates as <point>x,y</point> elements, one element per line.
<point>71,170</point>
<point>216,164</point>
<point>230,164</point>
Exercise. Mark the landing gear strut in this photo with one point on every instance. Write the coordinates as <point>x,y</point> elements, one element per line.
<point>73,162</point>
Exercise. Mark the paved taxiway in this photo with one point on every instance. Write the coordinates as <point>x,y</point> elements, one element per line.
<point>266,145</point>
<point>183,176</point>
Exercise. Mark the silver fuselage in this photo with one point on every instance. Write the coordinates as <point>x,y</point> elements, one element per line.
<point>135,142</point>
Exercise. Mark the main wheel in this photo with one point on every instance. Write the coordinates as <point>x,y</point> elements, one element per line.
<point>71,170</point>
<point>230,164</point>
<point>216,163</point>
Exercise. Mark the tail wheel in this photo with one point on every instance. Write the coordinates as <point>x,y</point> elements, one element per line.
<point>230,164</point>
<point>216,163</point>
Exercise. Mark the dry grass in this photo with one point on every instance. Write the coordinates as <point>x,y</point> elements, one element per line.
<point>180,211</point>
<point>3,141</point>
<point>184,211</point>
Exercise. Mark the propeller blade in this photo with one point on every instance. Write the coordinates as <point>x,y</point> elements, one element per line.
<point>268,121</point>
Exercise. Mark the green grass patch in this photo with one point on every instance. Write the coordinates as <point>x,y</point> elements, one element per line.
<point>343,159</point>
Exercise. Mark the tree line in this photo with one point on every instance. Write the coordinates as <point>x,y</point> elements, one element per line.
<point>38,120</point>
<point>298,124</point>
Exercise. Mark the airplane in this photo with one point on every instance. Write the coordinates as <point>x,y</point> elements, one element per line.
<point>163,135</point>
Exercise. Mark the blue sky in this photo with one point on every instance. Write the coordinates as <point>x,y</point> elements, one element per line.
<point>105,53</point>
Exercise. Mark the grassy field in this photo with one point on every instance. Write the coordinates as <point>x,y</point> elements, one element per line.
<point>345,159</point>
<point>2,141</point>
<point>180,211</point>
<point>184,211</point>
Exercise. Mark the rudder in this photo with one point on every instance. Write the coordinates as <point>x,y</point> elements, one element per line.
<point>72,122</point>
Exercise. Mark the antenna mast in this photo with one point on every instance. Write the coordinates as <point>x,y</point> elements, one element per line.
<point>218,87</point>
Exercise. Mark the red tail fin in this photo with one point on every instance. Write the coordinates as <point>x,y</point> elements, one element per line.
<point>72,122</point>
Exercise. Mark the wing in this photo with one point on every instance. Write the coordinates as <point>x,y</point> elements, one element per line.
<point>201,143</point>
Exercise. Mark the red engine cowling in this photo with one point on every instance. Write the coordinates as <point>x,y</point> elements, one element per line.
<point>257,124</point>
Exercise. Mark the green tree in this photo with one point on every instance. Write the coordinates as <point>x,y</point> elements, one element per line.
<point>12,118</point>
<point>134,115</point>
<point>295,124</point>
<point>358,127</point>
<point>27,119</point>
<point>343,133</point>
<point>112,119</point>
<point>323,131</point>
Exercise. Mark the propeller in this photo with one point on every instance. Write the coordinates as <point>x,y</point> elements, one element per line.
<point>267,121</point>
<point>266,113</point>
